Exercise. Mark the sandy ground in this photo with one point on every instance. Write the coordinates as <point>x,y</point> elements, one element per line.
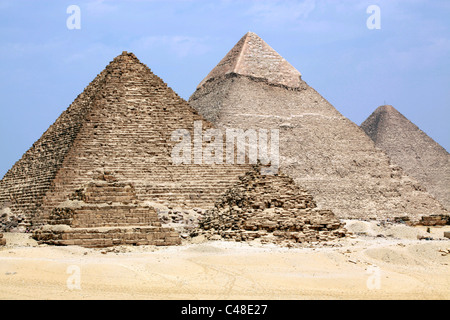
<point>376,263</point>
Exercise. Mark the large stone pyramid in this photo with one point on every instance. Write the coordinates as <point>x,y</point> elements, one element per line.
<point>254,87</point>
<point>121,126</point>
<point>412,149</point>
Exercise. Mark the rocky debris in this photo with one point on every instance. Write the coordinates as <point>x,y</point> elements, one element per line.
<point>428,221</point>
<point>419,237</point>
<point>434,220</point>
<point>2,240</point>
<point>447,235</point>
<point>183,221</point>
<point>12,223</point>
<point>270,208</point>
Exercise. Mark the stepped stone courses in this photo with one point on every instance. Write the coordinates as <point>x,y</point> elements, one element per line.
<point>105,213</point>
<point>270,208</point>
<point>321,149</point>
<point>412,149</point>
<point>121,123</point>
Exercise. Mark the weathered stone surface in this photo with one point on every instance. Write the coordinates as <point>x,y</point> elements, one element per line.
<point>107,237</point>
<point>10,222</point>
<point>270,208</point>
<point>105,213</point>
<point>2,240</point>
<point>434,220</point>
<point>122,123</point>
<point>321,149</point>
<point>253,57</point>
<point>412,149</point>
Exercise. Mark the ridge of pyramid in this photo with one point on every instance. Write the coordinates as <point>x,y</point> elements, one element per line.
<point>270,208</point>
<point>252,56</point>
<point>34,172</point>
<point>412,149</point>
<point>121,123</point>
<point>319,147</point>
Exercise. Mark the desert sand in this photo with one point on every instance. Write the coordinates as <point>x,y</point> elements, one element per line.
<point>377,262</point>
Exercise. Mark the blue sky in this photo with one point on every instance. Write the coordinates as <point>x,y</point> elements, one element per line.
<point>44,65</point>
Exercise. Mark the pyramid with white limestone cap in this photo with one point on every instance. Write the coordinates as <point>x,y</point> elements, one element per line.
<point>329,155</point>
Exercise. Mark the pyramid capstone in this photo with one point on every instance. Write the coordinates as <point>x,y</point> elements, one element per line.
<point>253,57</point>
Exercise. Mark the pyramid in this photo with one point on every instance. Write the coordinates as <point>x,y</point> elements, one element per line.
<point>120,126</point>
<point>321,149</point>
<point>271,208</point>
<point>105,213</point>
<point>412,149</point>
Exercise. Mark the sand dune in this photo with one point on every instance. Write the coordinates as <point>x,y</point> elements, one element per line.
<point>406,268</point>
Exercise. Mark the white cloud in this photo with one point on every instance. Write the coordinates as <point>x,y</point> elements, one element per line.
<point>100,7</point>
<point>19,49</point>
<point>276,11</point>
<point>181,46</point>
<point>92,50</point>
<point>427,54</point>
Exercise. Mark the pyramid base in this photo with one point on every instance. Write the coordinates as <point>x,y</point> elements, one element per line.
<point>283,238</point>
<point>428,221</point>
<point>106,237</point>
<point>435,220</point>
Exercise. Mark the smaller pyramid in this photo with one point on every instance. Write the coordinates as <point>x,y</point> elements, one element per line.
<point>253,57</point>
<point>121,123</point>
<point>270,208</point>
<point>104,213</point>
<point>412,149</point>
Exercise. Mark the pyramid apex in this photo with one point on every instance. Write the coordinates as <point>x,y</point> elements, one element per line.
<point>253,57</point>
<point>386,107</point>
<point>122,59</point>
<point>127,54</point>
